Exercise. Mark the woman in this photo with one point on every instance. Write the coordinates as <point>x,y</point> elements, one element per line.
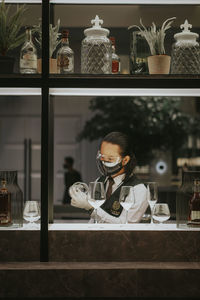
<point>116,162</point>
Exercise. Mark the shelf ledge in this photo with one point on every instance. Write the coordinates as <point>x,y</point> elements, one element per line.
<point>123,92</point>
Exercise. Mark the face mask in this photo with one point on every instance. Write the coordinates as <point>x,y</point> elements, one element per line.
<point>109,168</point>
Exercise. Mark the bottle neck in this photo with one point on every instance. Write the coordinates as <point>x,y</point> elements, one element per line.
<point>113,49</point>
<point>197,187</point>
<point>65,41</point>
<point>29,35</point>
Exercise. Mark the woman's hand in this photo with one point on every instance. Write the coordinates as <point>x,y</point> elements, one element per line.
<point>79,199</point>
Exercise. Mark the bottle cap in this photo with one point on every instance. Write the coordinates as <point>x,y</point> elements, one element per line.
<point>96,29</point>
<point>186,34</point>
<point>112,38</point>
<point>65,33</point>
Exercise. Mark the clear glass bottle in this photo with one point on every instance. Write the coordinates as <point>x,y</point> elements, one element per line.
<point>28,55</point>
<point>185,56</point>
<point>194,205</point>
<point>139,51</point>
<point>65,55</point>
<point>115,58</point>
<point>96,50</point>
<point>5,205</point>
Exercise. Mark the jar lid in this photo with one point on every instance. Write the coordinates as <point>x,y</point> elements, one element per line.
<point>96,29</point>
<point>186,34</point>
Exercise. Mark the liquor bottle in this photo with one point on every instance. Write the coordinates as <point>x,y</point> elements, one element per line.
<point>194,205</point>
<point>28,55</point>
<point>5,205</point>
<point>65,55</point>
<point>115,58</point>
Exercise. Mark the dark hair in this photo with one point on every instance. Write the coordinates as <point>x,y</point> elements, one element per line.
<point>126,148</point>
<point>70,160</point>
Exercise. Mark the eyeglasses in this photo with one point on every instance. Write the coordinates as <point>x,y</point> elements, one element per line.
<point>108,158</point>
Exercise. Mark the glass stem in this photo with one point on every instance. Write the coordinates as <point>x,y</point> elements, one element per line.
<point>95,221</point>
<point>126,216</point>
<point>152,216</point>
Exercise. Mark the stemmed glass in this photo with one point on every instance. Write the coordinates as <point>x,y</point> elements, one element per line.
<point>152,196</point>
<point>126,199</point>
<point>31,213</point>
<point>96,196</point>
<point>161,212</point>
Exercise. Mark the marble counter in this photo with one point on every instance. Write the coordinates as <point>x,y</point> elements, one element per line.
<point>103,242</point>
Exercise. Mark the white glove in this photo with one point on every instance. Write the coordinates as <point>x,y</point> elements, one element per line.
<point>79,199</point>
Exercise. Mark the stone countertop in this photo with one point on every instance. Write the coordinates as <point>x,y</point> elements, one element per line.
<point>171,226</point>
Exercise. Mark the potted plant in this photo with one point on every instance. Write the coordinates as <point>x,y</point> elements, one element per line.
<point>158,62</point>
<point>54,41</point>
<point>10,37</point>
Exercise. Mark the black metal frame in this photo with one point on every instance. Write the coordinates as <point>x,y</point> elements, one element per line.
<point>46,81</point>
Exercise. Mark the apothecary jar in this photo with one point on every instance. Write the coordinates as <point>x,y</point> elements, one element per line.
<point>185,57</point>
<point>96,50</point>
<point>12,204</point>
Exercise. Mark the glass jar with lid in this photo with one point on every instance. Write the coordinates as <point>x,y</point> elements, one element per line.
<point>185,56</point>
<point>96,50</point>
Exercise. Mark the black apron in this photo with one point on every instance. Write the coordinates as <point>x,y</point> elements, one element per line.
<point>112,205</point>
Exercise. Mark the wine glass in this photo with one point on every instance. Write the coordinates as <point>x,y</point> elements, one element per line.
<point>31,213</point>
<point>152,196</point>
<point>79,186</point>
<point>96,196</point>
<point>161,212</point>
<point>126,199</point>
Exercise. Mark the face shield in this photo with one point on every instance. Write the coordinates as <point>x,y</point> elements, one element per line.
<point>108,165</point>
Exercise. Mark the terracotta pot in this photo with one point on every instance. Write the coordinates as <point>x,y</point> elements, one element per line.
<point>6,64</point>
<point>52,65</point>
<point>159,64</point>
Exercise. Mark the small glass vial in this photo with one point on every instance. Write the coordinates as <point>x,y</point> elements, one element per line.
<point>5,205</point>
<point>28,55</point>
<point>65,55</point>
<point>96,50</point>
<point>115,58</point>
<point>185,57</point>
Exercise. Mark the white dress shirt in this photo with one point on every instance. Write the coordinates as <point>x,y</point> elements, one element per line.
<point>135,213</point>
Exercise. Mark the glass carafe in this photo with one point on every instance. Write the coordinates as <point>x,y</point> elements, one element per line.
<point>16,197</point>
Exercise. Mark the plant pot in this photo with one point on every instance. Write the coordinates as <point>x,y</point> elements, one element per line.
<point>6,64</point>
<point>159,64</point>
<point>52,65</point>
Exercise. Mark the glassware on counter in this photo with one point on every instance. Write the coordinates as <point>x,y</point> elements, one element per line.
<point>28,55</point>
<point>96,50</point>
<point>12,197</point>
<point>185,56</point>
<point>194,205</point>
<point>5,205</point>
<point>115,58</point>
<point>127,199</point>
<point>161,212</point>
<point>96,196</point>
<point>65,55</point>
<point>183,199</point>
<point>31,213</point>
<point>152,196</point>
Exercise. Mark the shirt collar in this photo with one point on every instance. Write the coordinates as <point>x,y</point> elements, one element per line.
<point>118,179</point>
